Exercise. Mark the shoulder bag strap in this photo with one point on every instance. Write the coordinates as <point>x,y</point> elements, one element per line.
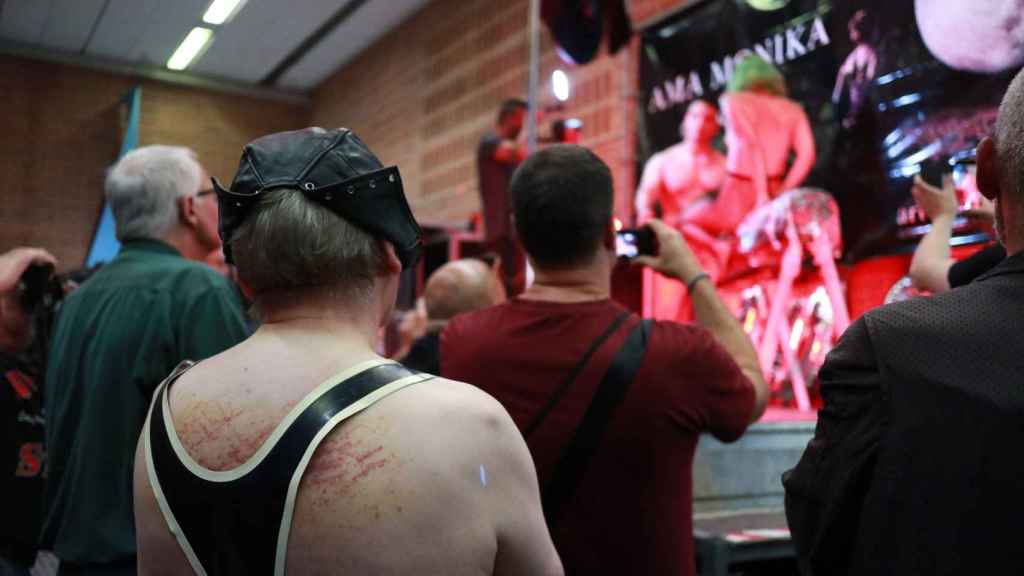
<point>542,414</point>
<point>570,469</point>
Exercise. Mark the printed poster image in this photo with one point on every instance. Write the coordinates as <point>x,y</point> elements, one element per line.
<point>887,86</point>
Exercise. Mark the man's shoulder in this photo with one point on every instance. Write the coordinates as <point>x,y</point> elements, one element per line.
<point>675,337</point>
<point>683,351</point>
<point>475,322</point>
<point>921,329</point>
<point>938,312</point>
<point>487,321</point>
<point>446,394</point>
<point>455,412</point>
<point>186,279</point>
<point>174,282</point>
<point>155,270</point>
<point>178,265</point>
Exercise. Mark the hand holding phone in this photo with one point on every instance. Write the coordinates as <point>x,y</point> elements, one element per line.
<point>933,172</point>
<point>936,201</point>
<point>671,255</point>
<point>633,242</point>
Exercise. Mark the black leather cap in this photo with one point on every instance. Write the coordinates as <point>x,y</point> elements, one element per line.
<point>331,167</point>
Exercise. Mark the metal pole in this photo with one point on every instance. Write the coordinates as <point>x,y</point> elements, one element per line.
<point>531,96</point>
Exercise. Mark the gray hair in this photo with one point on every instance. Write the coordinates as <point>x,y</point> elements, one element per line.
<point>1010,138</point>
<point>288,242</point>
<point>144,186</point>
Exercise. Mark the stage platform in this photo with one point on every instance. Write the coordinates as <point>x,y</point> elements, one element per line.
<point>748,473</point>
<point>779,414</point>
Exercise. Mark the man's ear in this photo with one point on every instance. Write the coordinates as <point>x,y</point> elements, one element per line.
<point>392,265</point>
<point>987,174</point>
<point>187,210</point>
<point>609,234</point>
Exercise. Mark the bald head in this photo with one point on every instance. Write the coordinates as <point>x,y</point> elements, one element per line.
<point>1000,175</point>
<point>1010,139</point>
<point>461,286</point>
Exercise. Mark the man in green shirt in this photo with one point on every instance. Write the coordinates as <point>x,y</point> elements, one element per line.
<point>116,338</point>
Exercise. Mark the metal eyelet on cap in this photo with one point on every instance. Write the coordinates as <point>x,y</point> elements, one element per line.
<point>308,185</point>
<point>373,183</point>
<point>328,196</point>
<point>391,177</point>
<point>351,189</point>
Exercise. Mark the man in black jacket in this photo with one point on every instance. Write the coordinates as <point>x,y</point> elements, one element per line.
<point>915,464</point>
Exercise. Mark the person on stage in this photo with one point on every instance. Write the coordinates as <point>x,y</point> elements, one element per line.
<point>498,154</point>
<point>684,173</point>
<point>763,128</point>
<point>677,179</point>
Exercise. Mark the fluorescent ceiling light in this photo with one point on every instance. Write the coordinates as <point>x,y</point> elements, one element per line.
<point>220,11</point>
<point>190,47</point>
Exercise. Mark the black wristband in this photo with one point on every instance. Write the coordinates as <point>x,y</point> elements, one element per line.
<point>693,281</point>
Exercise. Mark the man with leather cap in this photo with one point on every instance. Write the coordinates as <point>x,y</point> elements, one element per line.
<point>303,451</point>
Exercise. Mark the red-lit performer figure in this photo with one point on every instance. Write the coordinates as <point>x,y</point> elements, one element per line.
<point>765,132</point>
<point>676,179</point>
<point>684,172</point>
<point>762,128</point>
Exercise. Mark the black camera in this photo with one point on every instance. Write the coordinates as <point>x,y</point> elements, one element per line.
<point>39,288</point>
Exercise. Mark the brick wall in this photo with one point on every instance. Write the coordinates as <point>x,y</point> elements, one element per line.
<point>214,124</point>
<point>422,96</point>
<point>61,129</point>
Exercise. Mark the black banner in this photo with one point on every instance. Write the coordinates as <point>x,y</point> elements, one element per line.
<point>888,86</point>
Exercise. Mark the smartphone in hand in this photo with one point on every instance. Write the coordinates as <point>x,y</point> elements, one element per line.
<point>633,242</point>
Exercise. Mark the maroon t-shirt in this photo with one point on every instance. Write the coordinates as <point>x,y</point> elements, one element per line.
<point>632,513</point>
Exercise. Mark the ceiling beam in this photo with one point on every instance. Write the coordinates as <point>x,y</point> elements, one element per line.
<point>150,72</point>
<point>94,27</point>
<point>343,14</point>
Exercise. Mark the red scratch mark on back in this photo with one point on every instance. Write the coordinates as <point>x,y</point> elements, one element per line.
<point>341,464</point>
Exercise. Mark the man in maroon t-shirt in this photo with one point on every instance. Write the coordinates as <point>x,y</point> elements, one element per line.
<point>632,511</point>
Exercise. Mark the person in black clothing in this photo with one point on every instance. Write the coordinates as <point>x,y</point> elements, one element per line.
<point>21,418</point>
<point>497,156</point>
<point>457,287</point>
<point>914,466</point>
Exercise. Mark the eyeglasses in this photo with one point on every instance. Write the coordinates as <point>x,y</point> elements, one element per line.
<point>202,193</point>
